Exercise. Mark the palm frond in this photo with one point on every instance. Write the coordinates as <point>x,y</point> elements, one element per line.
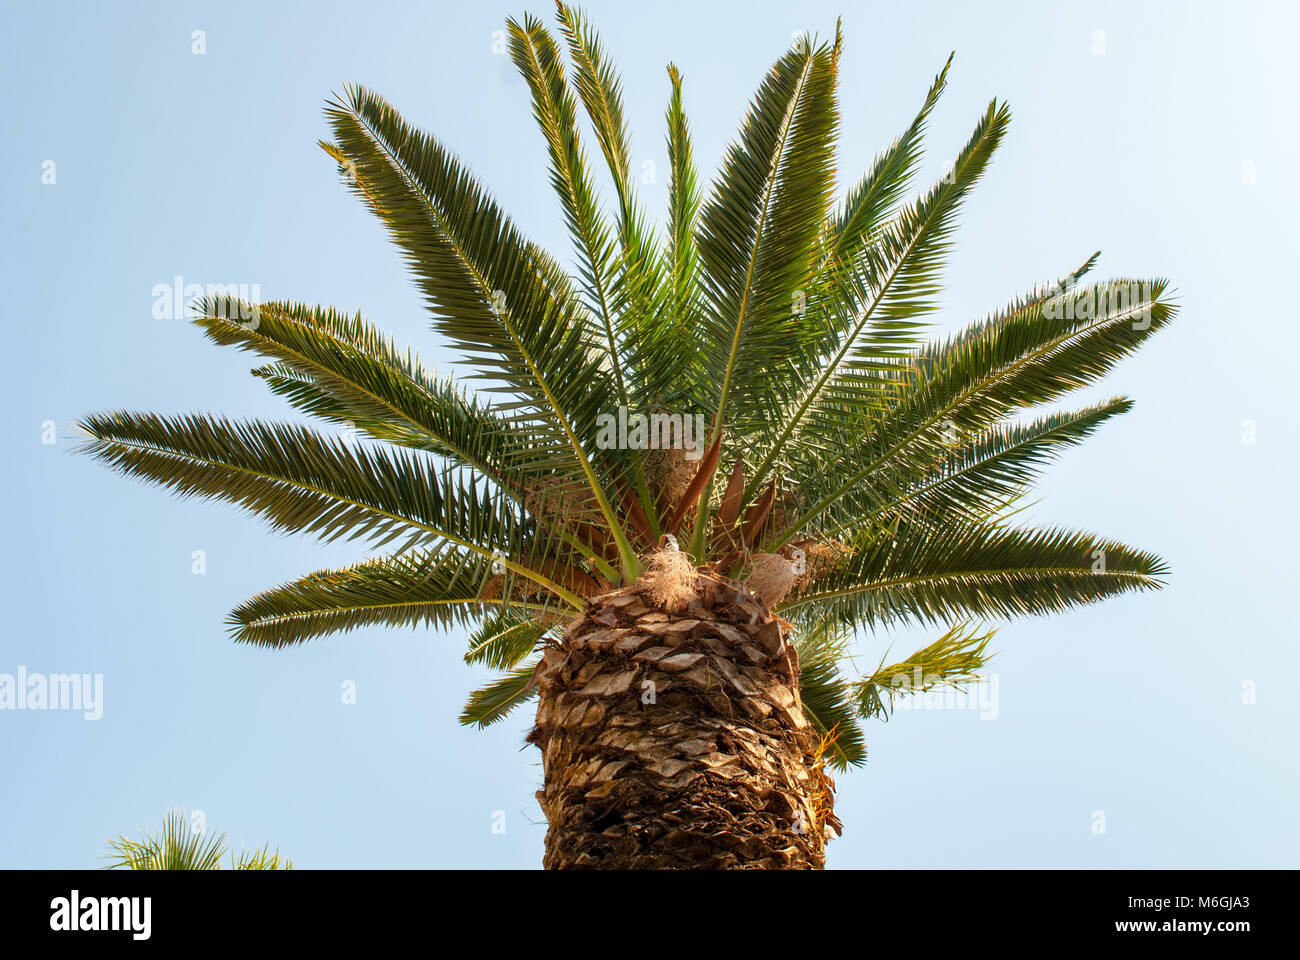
<point>505,637</point>
<point>494,702</point>
<point>444,587</point>
<point>758,232</point>
<point>875,303</point>
<point>871,198</point>
<point>261,858</point>
<point>954,659</point>
<point>827,698</point>
<point>601,93</point>
<point>177,845</point>
<point>663,339</point>
<point>484,282</point>
<point>683,203</point>
<point>301,481</point>
<point>927,573</point>
<point>342,369</point>
<point>537,56</point>
<point>1032,353</point>
<point>181,844</point>
<point>492,293</point>
<point>982,476</point>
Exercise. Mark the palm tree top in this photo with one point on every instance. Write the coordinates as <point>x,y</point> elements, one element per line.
<point>871,472</point>
<point>183,842</point>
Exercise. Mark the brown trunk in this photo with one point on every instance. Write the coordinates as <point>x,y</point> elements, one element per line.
<point>679,741</point>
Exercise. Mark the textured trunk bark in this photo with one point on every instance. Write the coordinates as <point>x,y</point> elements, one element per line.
<point>679,740</point>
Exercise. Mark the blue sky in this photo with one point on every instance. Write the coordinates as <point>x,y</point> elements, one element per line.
<point>1161,133</point>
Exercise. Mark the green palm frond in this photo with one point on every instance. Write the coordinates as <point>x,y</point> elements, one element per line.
<point>983,476</point>
<point>492,293</point>
<point>843,298</point>
<point>928,573</point>
<point>874,304</point>
<point>487,286</point>
<point>505,637</point>
<point>683,203</point>
<point>954,659</point>
<point>1044,347</point>
<point>494,702</point>
<point>301,481</point>
<point>262,858</point>
<point>758,232</point>
<point>176,846</point>
<point>870,200</point>
<point>342,369</point>
<point>444,587</point>
<point>181,843</point>
<point>1032,353</point>
<point>537,56</point>
<point>664,335</point>
<point>827,698</point>
<point>600,90</point>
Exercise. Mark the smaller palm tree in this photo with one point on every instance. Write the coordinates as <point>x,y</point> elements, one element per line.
<point>180,845</point>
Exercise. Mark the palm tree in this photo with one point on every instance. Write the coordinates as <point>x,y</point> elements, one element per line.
<point>180,845</point>
<point>680,604</point>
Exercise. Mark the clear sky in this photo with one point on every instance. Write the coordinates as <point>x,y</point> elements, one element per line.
<point>1162,133</point>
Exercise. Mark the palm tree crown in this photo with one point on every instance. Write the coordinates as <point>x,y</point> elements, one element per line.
<point>851,471</point>
<point>181,843</point>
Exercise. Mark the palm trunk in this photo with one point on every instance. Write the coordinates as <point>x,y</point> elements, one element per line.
<point>679,740</point>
